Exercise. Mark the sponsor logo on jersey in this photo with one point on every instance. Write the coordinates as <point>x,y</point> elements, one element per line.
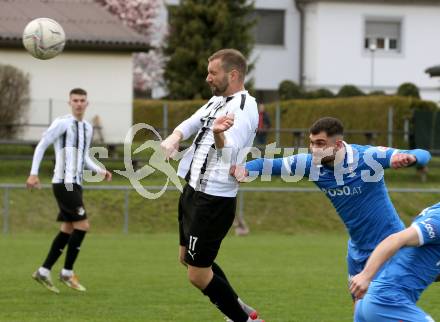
<point>429,228</point>
<point>342,191</point>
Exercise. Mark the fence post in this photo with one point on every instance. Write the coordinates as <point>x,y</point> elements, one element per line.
<point>390,126</point>
<point>240,205</point>
<point>165,120</point>
<point>277,124</point>
<point>406,131</point>
<point>126,204</point>
<point>50,110</point>
<point>6,211</point>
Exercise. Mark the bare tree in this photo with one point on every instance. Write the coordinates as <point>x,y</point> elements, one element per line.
<point>14,102</point>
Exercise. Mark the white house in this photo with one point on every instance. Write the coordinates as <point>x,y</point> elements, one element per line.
<point>375,45</point>
<point>97,57</point>
<point>276,52</point>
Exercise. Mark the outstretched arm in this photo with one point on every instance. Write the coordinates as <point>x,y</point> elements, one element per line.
<point>384,251</point>
<point>409,158</point>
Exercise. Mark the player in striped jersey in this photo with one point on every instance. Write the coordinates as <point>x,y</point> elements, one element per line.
<point>71,137</point>
<point>207,203</point>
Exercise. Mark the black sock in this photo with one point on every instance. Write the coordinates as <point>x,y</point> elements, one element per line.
<point>223,296</point>
<point>219,272</point>
<point>73,249</point>
<point>58,244</point>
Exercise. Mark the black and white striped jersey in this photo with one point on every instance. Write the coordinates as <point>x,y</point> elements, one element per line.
<point>71,140</point>
<point>204,168</point>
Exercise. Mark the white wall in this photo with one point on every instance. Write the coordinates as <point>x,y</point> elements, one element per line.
<point>335,55</point>
<point>277,63</point>
<point>106,77</point>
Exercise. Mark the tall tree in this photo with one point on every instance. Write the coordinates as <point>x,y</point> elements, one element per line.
<point>198,28</point>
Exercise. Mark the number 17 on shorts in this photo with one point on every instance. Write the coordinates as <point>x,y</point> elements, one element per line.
<point>192,246</point>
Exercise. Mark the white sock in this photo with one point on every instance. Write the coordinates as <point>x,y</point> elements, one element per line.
<point>44,271</point>
<point>66,272</point>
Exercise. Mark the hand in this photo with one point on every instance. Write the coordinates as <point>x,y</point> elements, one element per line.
<point>33,182</point>
<point>107,175</point>
<point>223,123</point>
<point>239,172</point>
<point>359,286</point>
<point>170,145</point>
<point>402,160</point>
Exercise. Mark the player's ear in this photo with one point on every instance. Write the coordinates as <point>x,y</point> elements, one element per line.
<point>339,144</point>
<point>234,75</point>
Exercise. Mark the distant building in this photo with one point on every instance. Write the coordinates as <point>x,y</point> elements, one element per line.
<point>97,57</point>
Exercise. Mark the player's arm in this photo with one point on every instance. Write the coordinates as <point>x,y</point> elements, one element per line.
<point>182,132</point>
<point>91,165</point>
<point>277,166</point>
<point>407,158</point>
<point>55,130</point>
<point>220,125</point>
<point>383,252</point>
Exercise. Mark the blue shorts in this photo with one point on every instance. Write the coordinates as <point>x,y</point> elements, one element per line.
<point>367,311</point>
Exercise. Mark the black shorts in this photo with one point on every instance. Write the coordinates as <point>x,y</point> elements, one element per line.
<point>70,202</point>
<point>204,220</point>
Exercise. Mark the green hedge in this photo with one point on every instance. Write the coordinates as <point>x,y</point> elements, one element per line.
<point>368,113</point>
<point>151,113</point>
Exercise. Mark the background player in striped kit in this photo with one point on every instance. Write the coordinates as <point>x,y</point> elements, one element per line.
<point>71,136</point>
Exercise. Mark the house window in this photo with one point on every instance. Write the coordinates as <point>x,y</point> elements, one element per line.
<point>269,28</point>
<point>384,35</point>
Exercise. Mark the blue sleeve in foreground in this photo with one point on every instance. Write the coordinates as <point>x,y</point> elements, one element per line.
<point>258,165</point>
<point>422,156</point>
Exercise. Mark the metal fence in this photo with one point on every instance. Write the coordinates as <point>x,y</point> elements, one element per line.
<point>127,189</point>
<point>44,111</point>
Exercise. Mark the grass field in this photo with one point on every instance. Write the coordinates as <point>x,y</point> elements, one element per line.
<point>265,212</point>
<point>292,266</point>
<point>299,278</point>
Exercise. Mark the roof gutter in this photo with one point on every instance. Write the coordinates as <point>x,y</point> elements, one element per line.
<point>84,45</point>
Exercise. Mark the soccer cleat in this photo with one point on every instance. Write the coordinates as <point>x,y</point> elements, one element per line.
<point>250,311</point>
<point>72,282</point>
<point>46,281</point>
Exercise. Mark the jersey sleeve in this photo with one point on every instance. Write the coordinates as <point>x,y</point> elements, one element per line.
<point>383,155</point>
<point>88,162</point>
<point>193,124</point>
<point>422,156</point>
<point>293,165</point>
<point>428,229</point>
<point>244,128</point>
<point>55,130</point>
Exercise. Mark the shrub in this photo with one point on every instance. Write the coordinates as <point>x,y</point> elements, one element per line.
<point>350,91</point>
<point>14,103</point>
<point>408,89</point>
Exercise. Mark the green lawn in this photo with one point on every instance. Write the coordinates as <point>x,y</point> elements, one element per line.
<point>136,277</point>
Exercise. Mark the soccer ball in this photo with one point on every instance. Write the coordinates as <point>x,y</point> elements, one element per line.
<point>44,38</point>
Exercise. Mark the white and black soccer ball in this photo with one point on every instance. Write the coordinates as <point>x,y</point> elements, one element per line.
<point>44,38</point>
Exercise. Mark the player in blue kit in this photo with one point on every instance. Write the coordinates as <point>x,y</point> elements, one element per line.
<point>393,294</point>
<point>351,176</point>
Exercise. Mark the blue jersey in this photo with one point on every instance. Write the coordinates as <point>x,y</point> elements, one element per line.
<point>412,269</point>
<point>356,188</point>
